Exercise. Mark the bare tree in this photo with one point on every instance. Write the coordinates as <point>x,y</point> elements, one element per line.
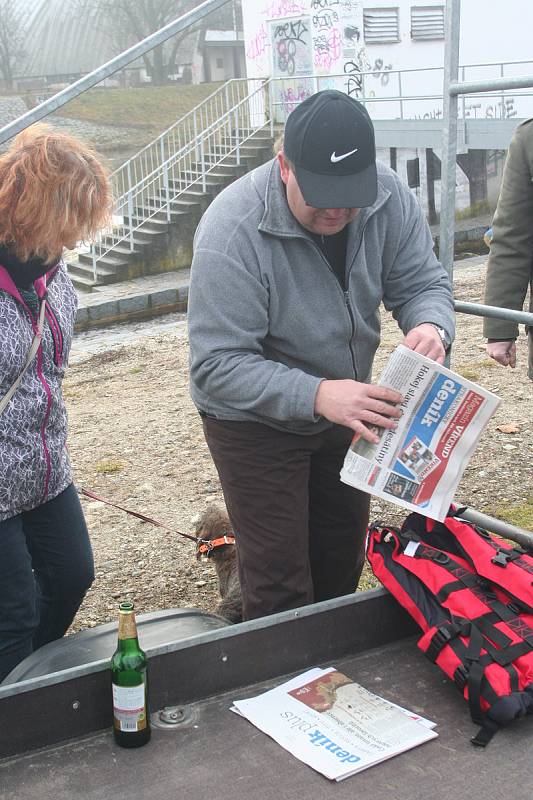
<point>129,21</point>
<point>11,39</point>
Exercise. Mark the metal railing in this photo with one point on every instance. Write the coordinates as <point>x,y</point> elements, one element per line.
<point>451,91</point>
<point>149,184</point>
<point>379,87</point>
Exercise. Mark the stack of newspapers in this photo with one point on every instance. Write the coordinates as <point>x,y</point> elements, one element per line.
<point>334,725</point>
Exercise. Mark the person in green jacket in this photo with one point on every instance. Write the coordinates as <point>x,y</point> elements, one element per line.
<point>510,264</point>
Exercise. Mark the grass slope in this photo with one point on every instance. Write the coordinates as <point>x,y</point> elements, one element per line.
<point>153,108</point>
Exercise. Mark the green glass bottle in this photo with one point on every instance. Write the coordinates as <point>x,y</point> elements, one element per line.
<point>131,722</point>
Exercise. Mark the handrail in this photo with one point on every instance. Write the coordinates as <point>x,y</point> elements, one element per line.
<point>495,312</point>
<point>182,119</point>
<point>183,156</point>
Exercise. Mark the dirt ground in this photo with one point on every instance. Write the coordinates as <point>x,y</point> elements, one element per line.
<point>136,439</point>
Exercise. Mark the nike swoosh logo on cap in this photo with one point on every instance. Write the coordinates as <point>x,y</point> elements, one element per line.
<point>335,158</point>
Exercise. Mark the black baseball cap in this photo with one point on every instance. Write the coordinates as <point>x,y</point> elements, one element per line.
<point>329,139</point>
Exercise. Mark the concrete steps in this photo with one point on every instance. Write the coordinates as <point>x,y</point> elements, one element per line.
<point>161,244</point>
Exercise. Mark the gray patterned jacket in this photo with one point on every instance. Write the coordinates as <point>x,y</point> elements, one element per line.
<point>34,464</point>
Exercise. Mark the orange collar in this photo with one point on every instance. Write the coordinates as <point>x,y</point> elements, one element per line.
<point>205,546</point>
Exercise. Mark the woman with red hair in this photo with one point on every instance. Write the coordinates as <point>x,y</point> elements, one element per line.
<point>54,192</point>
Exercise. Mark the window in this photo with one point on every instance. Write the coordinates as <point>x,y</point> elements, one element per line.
<point>381,25</point>
<point>427,22</point>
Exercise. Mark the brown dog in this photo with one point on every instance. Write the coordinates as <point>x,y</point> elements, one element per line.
<point>214,524</point>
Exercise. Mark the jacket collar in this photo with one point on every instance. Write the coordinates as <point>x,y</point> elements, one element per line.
<point>278,220</point>
<point>7,284</point>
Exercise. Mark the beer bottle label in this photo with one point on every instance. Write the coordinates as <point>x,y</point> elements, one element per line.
<point>129,709</point>
<point>127,627</point>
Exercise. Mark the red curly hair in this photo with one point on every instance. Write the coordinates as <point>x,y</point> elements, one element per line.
<point>53,190</point>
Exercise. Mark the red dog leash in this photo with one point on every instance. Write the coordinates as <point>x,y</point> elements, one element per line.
<point>204,546</point>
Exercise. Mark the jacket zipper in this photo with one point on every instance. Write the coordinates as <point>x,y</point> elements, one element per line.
<point>45,421</point>
<point>347,297</point>
<point>54,329</point>
<point>346,292</point>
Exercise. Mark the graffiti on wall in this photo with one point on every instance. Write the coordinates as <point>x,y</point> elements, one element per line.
<point>291,47</point>
<point>291,96</point>
<point>294,39</point>
<point>333,26</point>
<point>282,8</point>
<point>503,109</point>
<point>259,45</point>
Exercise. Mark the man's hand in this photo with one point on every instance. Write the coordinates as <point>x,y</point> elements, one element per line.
<point>359,406</point>
<point>425,340</point>
<point>503,352</point>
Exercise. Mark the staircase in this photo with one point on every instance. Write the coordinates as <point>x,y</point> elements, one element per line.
<point>164,189</point>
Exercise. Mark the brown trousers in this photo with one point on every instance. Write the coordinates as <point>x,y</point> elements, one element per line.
<point>300,531</point>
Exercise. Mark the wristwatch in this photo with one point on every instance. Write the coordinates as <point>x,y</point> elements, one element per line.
<point>442,334</point>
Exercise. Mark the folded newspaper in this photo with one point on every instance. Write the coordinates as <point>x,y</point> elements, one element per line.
<point>420,463</point>
<point>333,724</point>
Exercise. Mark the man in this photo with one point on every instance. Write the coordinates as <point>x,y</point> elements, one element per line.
<point>510,264</point>
<point>290,266</point>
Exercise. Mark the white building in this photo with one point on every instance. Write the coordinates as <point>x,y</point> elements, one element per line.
<point>378,50</point>
<point>360,46</point>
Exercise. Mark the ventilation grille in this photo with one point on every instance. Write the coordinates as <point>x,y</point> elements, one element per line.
<point>381,25</point>
<point>427,22</point>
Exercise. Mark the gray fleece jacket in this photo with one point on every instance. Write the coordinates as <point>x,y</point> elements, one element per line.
<point>268,319</point>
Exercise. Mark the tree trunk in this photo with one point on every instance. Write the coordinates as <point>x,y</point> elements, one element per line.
<point>430,177</point>
<point>160,71</point>
<point>474,165</point>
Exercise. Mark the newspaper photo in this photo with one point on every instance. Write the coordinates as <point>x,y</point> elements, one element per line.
<point>333,724</point>
<point>419,464</point>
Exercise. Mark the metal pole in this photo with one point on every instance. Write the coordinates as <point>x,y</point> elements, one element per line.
<point>508,314</point>
<point>130,208</point>
<point>491,84</point>
<point>463,98</point>
<point>271,105</point>
<point>449,137</point>
<point>505,529</point>
<point>109,68</point>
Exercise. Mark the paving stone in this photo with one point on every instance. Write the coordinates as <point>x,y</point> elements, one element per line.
<point>82,316</point>
<point>139,302</point>
<point>104,311</point>
<point>165,297</point>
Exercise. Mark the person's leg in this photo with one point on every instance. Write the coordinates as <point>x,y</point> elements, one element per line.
<point>338,518</point>
<point>62,560</point>
<point>264,475</point>
<point>18,610</point>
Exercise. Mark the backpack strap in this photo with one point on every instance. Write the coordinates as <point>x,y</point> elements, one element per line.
<point>483,635</point>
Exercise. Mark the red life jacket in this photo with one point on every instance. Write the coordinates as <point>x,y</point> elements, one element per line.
<point>472,596</point>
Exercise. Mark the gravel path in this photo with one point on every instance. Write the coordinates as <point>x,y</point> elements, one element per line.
<point>136,439</point>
